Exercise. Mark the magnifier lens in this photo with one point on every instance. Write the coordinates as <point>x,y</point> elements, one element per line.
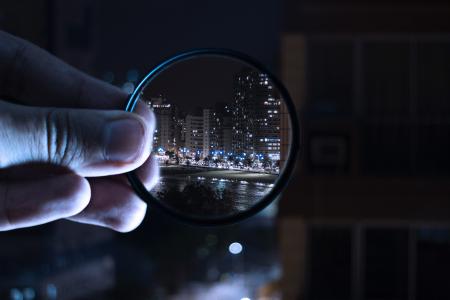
<point>222,138</point>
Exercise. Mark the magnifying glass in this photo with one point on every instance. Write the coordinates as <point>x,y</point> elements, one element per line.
<point>226,138</point>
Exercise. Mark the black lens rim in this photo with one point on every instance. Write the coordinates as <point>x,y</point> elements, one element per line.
<point>284,176</point>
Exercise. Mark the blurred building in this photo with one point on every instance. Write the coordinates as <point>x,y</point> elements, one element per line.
<point>367,214</point>
<point>256,116</point>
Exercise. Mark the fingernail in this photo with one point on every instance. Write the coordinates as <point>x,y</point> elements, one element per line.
<point>123,140</point>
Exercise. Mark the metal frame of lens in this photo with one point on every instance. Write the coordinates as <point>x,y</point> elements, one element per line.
<point>284,176</point>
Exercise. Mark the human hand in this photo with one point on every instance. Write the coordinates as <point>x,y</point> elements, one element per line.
<point>62,138</point>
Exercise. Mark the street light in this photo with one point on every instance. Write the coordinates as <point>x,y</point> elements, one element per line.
<point>235,248</point>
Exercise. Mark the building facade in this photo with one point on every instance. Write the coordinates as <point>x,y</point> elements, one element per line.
<point>256,116</point>
<point>227,130</point>
<point>194,135</point>
<point>368,203</point>
<point>217,140</point>
<point>165,135</point>
<point>211,132</point>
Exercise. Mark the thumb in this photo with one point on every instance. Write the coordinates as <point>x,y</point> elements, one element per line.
<point>90,142</point>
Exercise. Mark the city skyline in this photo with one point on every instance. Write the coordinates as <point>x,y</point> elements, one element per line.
<point>247,126</point>
<point>216,157</point>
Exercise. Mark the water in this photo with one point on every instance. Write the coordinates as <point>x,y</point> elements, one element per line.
<point>242,188</point>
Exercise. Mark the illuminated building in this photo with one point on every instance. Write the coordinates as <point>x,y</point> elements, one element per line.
<point>217,137</point>
<point>211,127</point>
<point>165,133</point>
<point>256,116</point>
<point>194,134</point>
<point>227,134</point>
<point>180,132</point>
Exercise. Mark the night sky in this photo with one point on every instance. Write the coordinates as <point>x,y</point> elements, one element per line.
<point>197,82</point>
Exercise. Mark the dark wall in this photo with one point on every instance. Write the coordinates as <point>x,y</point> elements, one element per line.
<point>116,36</point>
<point>142,32</point>
<point>327,16</point>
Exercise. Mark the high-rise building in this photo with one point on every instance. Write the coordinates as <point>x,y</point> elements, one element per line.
<point>165,136</point>
<point>194,134</point>
<point>217,139</point>
<point>227,133</point>
<point>180,132</point>
<point>256,116</point>
<point>211,130</point>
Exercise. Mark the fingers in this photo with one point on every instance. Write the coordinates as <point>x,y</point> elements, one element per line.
<point>149,173</point>
<point>26,203</point>
<point>35,194</point>
<point>90,142</point>
<point>114,204</point>
<point>34,77</point>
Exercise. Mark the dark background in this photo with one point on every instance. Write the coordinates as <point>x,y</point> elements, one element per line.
<point>366,215</point>
<point>119,41</point>
<point>120,36</point>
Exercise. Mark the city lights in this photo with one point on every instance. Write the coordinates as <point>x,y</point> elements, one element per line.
<point>235,135</point>
<point>235,248</point>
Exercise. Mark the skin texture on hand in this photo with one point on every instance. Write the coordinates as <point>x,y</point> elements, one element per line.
<point>64,143</point>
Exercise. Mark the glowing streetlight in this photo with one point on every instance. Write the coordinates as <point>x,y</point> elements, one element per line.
<point>235,248</point>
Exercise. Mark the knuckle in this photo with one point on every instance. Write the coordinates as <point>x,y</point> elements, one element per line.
<point>62,144</point>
